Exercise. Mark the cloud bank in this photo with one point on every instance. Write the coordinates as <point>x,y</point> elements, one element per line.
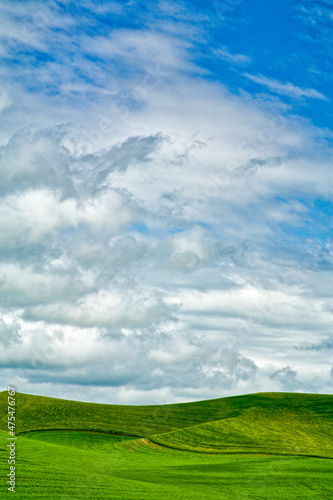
<point>162,237</point>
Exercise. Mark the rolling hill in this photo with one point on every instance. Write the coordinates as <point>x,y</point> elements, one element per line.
<point>276,446</point>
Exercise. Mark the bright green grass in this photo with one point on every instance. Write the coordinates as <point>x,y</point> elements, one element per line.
<point>262,444</point>
<point>37,412</point>
<point>107,468</point>
<point>284,431</point>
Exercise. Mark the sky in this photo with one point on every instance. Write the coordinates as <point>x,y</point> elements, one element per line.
<point>166,198</point>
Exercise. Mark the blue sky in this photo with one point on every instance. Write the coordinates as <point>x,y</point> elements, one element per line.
<point>166,198</point>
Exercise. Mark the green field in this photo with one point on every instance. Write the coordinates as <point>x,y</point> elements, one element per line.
<point>260,446</point>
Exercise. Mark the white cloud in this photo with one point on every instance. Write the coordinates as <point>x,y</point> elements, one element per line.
<point>288,88</point>
<point>187,250</point>
<point>31,216</point>
<point>106,309</point>
<point>21,285</point>
<point>157,53</point>
<point>226,55</point>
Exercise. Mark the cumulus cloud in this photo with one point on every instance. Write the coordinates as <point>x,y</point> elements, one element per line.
<point>286,377</point>
<point>31,216</point>
<point>105,309</point>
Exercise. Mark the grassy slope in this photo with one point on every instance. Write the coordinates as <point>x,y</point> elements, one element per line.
<point>37,412</point>
<point>41,413</point>
<point>289,424</point>
<point>67,465</point>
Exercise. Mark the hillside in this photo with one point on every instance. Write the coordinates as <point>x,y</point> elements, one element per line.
<point>293,430</point>
<point>287,423</point>
<point>260,446</point>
